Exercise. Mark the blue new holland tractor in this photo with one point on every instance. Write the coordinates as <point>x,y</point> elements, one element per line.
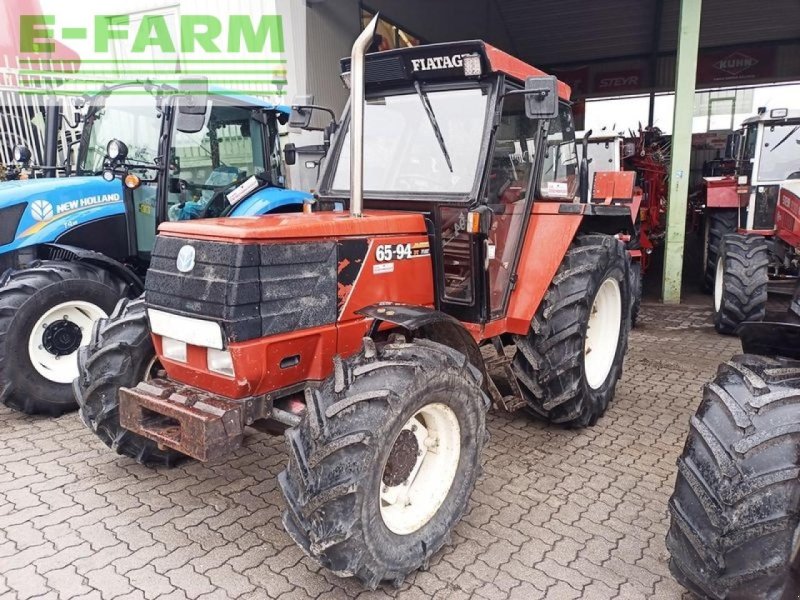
<point>72,247</point>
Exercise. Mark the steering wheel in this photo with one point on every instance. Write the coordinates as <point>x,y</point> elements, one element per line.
<point>218,206</point>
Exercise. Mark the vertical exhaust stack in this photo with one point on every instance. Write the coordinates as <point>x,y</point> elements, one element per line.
<point>357,85</point>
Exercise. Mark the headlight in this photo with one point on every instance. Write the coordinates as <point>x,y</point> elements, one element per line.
<point>220,361</point>
<point>173,349</point>
<point>116,150</point>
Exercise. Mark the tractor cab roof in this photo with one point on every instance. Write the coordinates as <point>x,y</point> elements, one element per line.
<point>776,115</point>
<point>469,60</point>
<point>247,99</point>
<point>214,90</point>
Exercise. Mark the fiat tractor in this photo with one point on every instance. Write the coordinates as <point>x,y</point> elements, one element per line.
<point>735,511</point>
<point>453,234</point>
<point>71,247</point>
<point>754,218</point>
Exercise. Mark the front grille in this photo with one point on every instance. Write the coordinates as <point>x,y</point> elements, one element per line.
<point>252,290</point>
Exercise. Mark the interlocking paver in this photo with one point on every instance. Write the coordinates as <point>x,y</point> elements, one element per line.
<point>557,514</point>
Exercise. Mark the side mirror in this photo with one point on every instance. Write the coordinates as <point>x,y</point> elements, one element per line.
<point>300,117</point>
<point>289,154</point>
<point>192,105</point>
<point>303,111</point>
<point>541,97</point>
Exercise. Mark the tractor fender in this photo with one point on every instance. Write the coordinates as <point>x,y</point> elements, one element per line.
<point>771,338</point>
<point>427,323</point>
<point>613,219</point>
<point>551,231</point>
<point>73,253</point>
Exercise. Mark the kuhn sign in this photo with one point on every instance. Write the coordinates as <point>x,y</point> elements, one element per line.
<point>736,65</point>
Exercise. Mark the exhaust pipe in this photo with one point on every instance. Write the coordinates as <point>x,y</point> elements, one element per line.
<point>357,85</point>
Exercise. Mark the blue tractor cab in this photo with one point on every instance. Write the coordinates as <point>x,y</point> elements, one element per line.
<point>72,247</point>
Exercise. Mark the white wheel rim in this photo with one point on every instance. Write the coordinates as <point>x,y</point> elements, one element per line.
<point>64,368</point>
<point>410,504</point>
<point>602,333</point>
<point>718,277</point>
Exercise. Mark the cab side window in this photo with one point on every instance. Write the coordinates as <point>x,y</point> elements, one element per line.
<point>560,172</point>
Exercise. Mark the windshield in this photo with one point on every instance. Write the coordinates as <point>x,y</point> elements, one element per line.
<point>401,149</point>
<point>124,116</point>
<point>780,152</point>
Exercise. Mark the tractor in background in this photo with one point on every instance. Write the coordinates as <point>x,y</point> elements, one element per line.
<point>361,330</point>
<point>72,247</point>
<point>646,156</point>
<point>735,511</point>
<point>753,232</point>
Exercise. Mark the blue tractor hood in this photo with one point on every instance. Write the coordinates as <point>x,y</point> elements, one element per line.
<point>267,200</point>
<point>43,209</point>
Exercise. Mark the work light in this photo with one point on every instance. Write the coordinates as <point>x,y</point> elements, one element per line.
<point>21,154</point>
<point>116,150</point>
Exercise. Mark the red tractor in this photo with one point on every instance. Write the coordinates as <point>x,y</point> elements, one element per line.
<point>753,219</point>
<point>362,331</point>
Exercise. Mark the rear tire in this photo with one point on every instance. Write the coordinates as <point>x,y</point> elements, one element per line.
<point>719,222</point>
<point>560,380</point>
<point>38,345</point>
<point>735,511</point>
<point>740,285</point>
<point>342,509</point>
<point>120,354</point>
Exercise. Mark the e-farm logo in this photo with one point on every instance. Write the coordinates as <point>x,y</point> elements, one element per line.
<point>235,50</point>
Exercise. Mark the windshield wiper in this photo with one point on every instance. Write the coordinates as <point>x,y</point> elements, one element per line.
<point>434,124</point>
<point>788,135</point>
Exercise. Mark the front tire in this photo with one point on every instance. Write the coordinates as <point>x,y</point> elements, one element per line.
<point>586,310</point>
<point>46,314</point>
<point>120,354</point>
<point>383,464</point>
<point>735,511</point>
<point>740,284</point>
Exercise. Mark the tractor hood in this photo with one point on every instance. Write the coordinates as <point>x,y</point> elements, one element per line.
<point>38,211</point>
<point>297,226</point>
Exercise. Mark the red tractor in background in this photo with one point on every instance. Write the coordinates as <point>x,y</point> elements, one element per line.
<point>364,332</point>
<point>646,157</point>
<point>752,229</point>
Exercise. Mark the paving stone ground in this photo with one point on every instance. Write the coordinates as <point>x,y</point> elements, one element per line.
<point>557,514</point>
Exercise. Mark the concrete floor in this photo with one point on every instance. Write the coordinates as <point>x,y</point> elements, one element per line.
<point>557,514</point>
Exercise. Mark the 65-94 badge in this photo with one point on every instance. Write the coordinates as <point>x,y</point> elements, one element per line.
<point>390,252</point>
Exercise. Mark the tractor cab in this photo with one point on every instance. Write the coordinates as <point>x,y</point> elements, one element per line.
<point>473,139</point>
<point>137,133</point>
<point>768,154</point>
